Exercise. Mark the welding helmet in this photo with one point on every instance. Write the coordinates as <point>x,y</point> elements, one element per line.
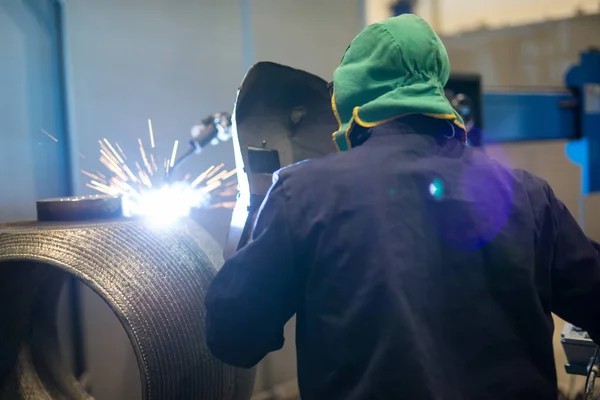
<point>392,69</point>
<point>282,116</point>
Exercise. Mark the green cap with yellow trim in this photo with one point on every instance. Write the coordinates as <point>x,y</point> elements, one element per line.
<point>393,68</point>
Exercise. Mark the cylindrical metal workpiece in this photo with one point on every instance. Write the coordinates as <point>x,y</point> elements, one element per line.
<point>154,278</point>
<point>85,208</point>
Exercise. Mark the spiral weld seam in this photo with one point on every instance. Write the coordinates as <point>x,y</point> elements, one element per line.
<point>154,279</point>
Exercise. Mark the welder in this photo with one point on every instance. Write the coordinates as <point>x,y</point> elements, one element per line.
<point>417,267</point>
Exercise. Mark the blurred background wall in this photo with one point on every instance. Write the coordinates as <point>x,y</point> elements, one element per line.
<point>31,99</point>
<point>77,71</point>
<point>455,16</point>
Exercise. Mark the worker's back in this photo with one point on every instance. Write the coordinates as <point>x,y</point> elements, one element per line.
<point>428,273</point>
<point>418,269</point>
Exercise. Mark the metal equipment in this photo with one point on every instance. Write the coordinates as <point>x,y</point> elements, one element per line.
<point>513,116</point>
<point>154,279</point>
<point>579,349</point>
<point>213,129</point>
<point>573,113</point>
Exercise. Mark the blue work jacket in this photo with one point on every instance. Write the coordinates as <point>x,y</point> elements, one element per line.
<point>418,268</point>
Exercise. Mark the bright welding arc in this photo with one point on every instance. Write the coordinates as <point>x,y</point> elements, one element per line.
<point>148,195</point>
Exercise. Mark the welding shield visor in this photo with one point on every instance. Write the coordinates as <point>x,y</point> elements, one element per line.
<point>283,109</point>
<point>282,116</point>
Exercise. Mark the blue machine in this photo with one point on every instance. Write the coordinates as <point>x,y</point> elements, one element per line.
<point>570,114</point>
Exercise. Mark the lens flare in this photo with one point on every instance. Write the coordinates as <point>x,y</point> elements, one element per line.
<point>436,189</point>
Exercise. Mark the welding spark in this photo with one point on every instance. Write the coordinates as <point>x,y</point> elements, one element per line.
<point>154,167</point>
<point>144,158</point>
<point>151,133</point>
<point>174,154</point>
<point>146,192</point>
<point>225,204</point>
<point>121,150</point>
<point>50,136</point>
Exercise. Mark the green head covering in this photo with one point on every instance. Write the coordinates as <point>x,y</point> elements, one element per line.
<point>393,68</point>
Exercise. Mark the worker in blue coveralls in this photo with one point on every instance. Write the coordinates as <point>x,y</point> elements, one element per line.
<point>417,267</point>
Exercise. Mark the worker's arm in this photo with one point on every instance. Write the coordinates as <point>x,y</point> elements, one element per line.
<point>575,273</point>
<point>254,294</point>
<point>596,246</point>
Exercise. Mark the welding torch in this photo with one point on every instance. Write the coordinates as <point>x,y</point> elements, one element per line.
<point>213,129</point>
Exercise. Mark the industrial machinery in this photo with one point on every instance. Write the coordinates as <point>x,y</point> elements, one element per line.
<point>154,279</point>
<point>573,113</point>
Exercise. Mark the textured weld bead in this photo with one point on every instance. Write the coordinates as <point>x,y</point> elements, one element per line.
<point>154,279</point>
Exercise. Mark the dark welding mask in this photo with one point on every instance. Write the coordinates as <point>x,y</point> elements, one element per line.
<point>282,116</point>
